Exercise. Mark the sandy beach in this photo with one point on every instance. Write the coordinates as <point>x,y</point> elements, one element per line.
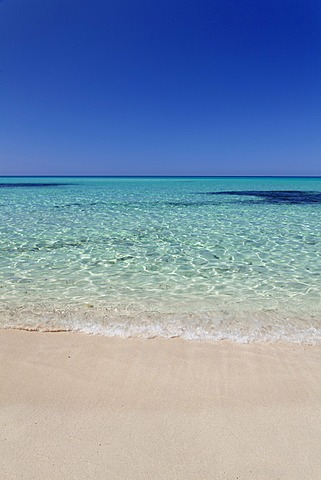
<point>89,407</point>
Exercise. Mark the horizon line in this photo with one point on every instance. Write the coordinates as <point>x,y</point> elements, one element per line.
<point>159,176</point>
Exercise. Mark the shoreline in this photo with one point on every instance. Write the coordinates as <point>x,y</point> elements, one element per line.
<point>198,340</point>
<point>96,407</point>
<point>297,331</point>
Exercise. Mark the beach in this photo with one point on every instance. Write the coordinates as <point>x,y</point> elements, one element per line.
<point>160,328</point>
<point>160,240</point>
<point>91,407</point>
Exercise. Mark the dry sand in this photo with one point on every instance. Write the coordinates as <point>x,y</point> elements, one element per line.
<point>84,407</point>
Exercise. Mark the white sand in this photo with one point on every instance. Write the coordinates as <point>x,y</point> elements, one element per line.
<point>83,407</point>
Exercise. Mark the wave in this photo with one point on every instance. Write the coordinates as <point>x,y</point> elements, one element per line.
<point>242,327</point>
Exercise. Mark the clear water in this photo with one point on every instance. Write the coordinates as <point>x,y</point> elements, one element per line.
<point>211,258</point>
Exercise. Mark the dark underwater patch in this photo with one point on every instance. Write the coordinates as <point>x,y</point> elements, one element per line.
<point>189,204</point>
<point>18,185</point>
<point>68,205</point>
<point>295,197</point>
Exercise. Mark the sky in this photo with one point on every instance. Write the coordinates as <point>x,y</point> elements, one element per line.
<point>166,87</point>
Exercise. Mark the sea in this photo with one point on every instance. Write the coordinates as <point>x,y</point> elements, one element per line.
<point>202,258</point>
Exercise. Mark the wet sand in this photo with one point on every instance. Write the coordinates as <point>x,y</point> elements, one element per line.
<point>88,407</point>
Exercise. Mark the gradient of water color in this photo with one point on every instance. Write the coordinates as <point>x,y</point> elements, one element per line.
<point>201,258</point>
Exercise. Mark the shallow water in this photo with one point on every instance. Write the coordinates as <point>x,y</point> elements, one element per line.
<point>212,258</point>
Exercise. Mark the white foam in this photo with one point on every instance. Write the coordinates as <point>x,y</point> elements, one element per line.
<point>240,327</point>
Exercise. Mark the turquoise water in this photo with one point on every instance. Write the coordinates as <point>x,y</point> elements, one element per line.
<point>201,258</point>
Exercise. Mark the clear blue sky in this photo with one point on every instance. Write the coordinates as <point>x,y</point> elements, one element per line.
<point>165,87</point>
